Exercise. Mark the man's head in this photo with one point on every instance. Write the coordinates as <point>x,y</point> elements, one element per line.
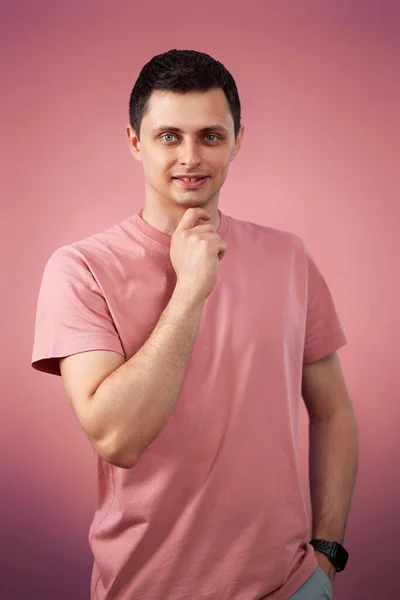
<point>176,96</point>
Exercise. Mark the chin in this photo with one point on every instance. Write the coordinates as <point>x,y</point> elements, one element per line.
<point>185,199</point>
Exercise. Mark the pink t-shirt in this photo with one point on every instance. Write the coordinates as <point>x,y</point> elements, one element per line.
<point>214,509</point>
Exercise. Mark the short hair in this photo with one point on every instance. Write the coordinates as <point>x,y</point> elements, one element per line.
<point>181,71</point>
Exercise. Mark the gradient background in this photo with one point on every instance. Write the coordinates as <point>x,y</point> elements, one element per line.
<point>319,86</point>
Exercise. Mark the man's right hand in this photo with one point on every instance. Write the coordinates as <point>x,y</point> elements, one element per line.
<point>195,252</point>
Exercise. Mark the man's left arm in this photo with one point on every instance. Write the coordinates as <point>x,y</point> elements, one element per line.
<point>333,450</point>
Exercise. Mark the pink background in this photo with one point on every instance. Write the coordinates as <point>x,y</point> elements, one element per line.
<point>319,86</point>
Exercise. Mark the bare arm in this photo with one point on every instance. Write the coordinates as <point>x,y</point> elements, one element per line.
<point>123,407</point>
<point>333,463</point>
<point>132,405</point>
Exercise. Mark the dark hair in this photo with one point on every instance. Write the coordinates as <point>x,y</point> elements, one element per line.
<point>181,71</point>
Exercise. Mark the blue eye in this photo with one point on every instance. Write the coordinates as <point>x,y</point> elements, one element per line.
<point>207,136</point>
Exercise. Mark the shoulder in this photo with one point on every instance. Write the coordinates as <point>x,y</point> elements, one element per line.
<point>250,231</point>
<point>95,248</point>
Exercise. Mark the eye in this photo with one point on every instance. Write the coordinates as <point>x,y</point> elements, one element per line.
<point>166,134</point>
<point>212,135</point>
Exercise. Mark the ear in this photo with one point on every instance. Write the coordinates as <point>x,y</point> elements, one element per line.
<point>238,142</point>
<point>134,143</point>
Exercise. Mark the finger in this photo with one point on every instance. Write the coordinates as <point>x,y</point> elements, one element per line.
<point>191,216</point>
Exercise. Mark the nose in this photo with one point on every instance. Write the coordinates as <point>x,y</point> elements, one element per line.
<point>189,155</point>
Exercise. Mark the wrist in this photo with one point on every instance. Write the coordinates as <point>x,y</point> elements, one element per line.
<point>334,552</point>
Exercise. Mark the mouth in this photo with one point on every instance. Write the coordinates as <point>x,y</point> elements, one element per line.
<point>190,184</point>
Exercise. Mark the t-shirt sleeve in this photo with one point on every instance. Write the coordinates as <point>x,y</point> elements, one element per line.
<point>72,314</point>
<point>324,331</point>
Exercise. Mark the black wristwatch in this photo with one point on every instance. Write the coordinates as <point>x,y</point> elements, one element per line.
<point>334,551</point>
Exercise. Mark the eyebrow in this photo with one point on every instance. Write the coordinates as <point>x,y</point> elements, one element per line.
<point>216,127</point>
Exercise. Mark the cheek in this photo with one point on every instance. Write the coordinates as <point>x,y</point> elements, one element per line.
<point>156,167</point>
<point>222,161</point>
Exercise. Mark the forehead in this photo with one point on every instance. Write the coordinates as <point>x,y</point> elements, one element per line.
<point>191,111</point>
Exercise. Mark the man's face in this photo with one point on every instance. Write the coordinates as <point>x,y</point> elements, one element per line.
<point>166,152</point>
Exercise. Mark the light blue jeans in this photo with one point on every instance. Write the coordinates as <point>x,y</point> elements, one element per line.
<point>317,587</point>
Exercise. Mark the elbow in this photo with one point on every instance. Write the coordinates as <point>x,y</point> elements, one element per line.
<point>121,463</point>
<point>123,459</point>
<point>116,456</point>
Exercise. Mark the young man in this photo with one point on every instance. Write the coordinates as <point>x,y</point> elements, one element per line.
<point>185,338</point>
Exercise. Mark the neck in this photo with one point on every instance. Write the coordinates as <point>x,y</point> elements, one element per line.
<point>168,224</point>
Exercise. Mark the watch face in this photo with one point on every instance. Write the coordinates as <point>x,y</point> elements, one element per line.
<point>340,555</point>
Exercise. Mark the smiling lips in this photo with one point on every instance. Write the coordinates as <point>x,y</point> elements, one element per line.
<point>187,183</point>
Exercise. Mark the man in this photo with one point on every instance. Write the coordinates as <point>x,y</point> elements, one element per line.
<point>184,338</point>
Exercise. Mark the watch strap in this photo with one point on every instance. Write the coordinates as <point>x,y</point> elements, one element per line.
<point>337,555</point>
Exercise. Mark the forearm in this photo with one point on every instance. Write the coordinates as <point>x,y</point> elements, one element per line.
<point>136,400</point>
<point>333,460</point>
